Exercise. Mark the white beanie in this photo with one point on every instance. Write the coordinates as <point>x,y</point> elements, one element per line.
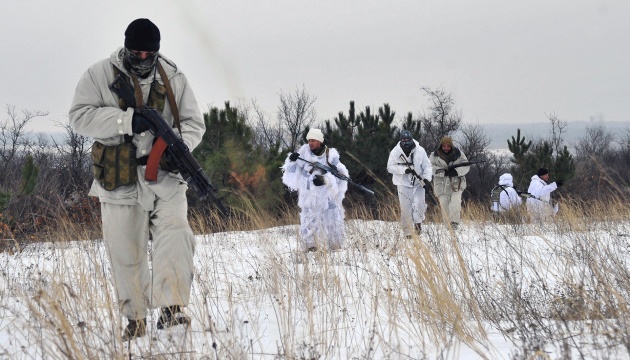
<point>315,134</point>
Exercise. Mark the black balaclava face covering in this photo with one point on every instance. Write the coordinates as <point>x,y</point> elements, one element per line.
<point>139,67</point>
<point>406,141</point>
<point>141,35</point>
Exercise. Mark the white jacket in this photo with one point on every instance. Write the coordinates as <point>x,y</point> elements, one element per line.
<point>541,204</point>
<point>297,176</point>
<point>508,197</point>
<point>420,163</point>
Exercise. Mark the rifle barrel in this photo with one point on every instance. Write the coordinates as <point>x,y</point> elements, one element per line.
<point>337,174</point>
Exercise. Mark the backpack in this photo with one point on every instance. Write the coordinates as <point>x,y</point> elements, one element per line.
<point>495,196</point>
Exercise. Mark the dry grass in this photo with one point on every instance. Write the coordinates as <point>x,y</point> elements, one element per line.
<point>560,287</point>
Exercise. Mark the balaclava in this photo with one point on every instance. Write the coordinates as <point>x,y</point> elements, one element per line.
<point>141,35</point>
<point>406,141</point>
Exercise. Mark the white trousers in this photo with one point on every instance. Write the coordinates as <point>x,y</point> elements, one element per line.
<point>322,227</point>
<point>126,230</point>
<point>412,207</point>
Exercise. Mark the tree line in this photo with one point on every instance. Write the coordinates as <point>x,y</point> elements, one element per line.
<point>43,178</point>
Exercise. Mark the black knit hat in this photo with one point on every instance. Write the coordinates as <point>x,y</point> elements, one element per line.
<point>542,171</point>
<point>142,35</point>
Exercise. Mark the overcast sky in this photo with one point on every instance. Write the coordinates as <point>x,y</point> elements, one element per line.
<point>503,61</point>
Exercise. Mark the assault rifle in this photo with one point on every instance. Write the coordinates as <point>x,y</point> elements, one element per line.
<point>167,140</point>
<point>465,163</point>
<point>423,182</point>
<point>527,195</point>
<point>337,174</point>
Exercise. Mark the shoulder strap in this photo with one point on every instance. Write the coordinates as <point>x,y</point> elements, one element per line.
<point>327,162</point>
<point>170,96</point>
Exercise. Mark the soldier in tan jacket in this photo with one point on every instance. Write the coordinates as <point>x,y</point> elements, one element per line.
<point>449,183</point>
<point>134,209</point>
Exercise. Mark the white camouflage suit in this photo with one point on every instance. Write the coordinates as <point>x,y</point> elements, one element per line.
<point>322,213</point>
<point>540,206</point>
<point>130,214</point>
<point>411,194</point>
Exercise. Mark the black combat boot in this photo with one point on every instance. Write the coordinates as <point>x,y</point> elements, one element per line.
<point>134,329</point>
<point>171,316</point>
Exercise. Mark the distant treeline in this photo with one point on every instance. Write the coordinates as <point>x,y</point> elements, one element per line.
<point>45,178</point>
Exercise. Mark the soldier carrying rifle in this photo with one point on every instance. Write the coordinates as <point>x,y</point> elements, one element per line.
<point>450,167</point>
<point>321,180</point>
<point>134,206</point>
<point>411,173</point>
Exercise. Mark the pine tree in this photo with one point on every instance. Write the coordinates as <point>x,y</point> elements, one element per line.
<point>341,134</point>
<point>29,176</point>
<point>564,166</point>
<point>519,148</point>
<point>412,125</point>
<point>541,156</point>
<point>245,175</point>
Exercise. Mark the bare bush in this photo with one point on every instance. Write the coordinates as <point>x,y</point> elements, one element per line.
<point>295,113</point>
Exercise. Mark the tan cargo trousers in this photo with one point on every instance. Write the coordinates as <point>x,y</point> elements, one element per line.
<point>126,231</point>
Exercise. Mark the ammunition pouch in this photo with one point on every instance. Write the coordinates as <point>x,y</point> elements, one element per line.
<point>114,166</point>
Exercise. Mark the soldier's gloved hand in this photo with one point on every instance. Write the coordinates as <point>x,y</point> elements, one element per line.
<point>319,180</point>
<point>451,172</point>
<point>408,171</point>
<point>168,163</point>
<point>140,124</point>
<point>428,187</point>
<point>294,156</point>
<point>559,183</point>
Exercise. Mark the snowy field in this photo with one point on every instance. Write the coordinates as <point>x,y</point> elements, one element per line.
<point>486,291</point>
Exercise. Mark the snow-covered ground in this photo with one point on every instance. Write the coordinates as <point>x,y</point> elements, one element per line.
<point>381,297</point>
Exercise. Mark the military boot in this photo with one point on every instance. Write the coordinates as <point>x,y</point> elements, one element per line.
<point>171,316</point>
<point>135,329</point>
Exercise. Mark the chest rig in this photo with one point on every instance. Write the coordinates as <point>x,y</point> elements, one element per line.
<point>158,95</point>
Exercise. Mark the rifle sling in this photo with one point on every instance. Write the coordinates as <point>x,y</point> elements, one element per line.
<point>137,92</point>
<point>170,96</point>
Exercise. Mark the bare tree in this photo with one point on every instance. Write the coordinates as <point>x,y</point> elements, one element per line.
<point>558,127</point>
<point>474,141</point>
<point>596,142</point>
<point>442,118</point>
<point>75,162</point>
<point>481,178</point>
<point>266,134</point>
<point>625,141</point>
<point>13,136</point>
<point>295,113</point>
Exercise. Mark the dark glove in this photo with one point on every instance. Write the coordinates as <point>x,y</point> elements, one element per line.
<point>409,171</point>
<point>428,187</point>
<point>140,124</point>
<point>559,183</point>
<point>319,180</point>
<point>168,163</point>
<point>451,172</point>
<point>294,156</point>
